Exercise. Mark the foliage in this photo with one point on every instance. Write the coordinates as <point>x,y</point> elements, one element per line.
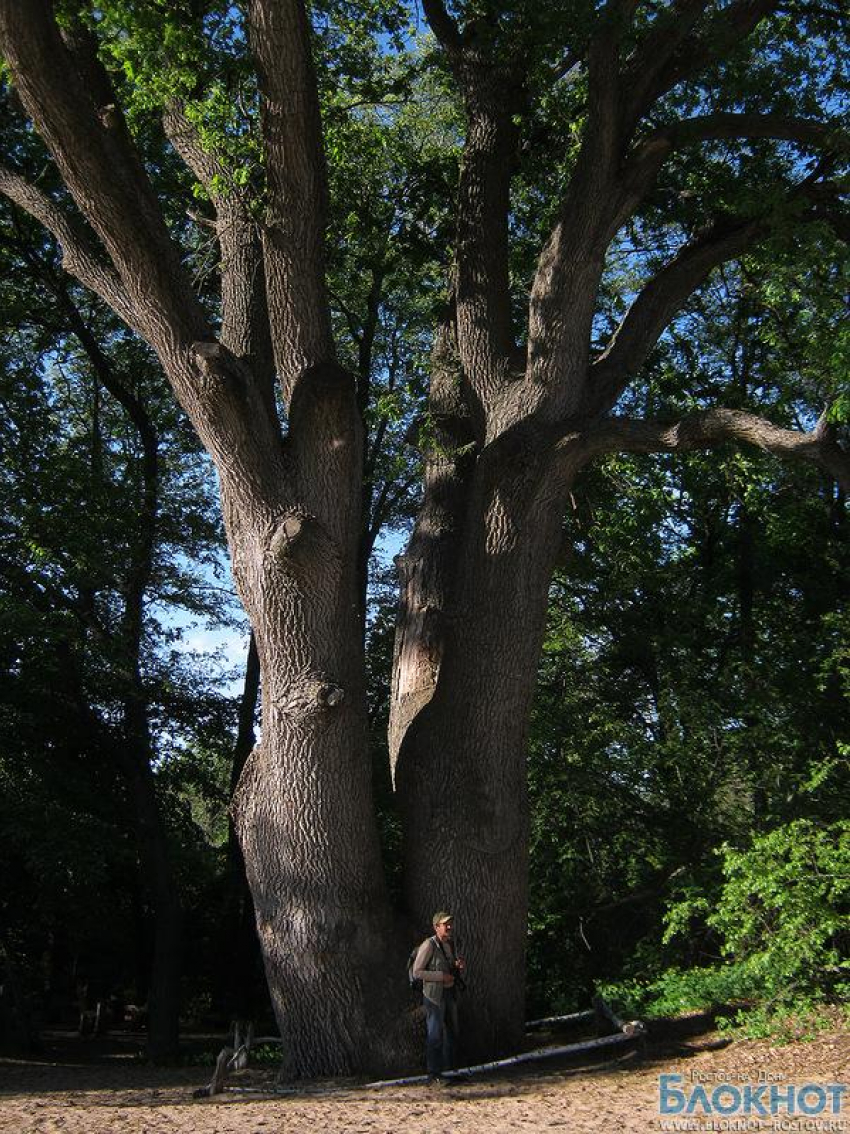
<point>781,917</point>
<point>73,531</point>
<point>694,676</point>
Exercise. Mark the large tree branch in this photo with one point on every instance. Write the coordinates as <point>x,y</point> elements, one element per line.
<point>444,27</point>
<point>82,48</point>
<point>672,53</point>
<point>603,72</point>
<point>79,258</point>
<point>641,169</point>
<point>665,293</point>
<point>297,190</point>
<point>712,427</point>
<point>491,80</point>
<point>183,136</point>
<point>482,278</point>
<point>245,327</point>
<point>705,127</point>
<point>59,87</point>
<point>605,189</point>
<point>720,35</point>
<point>602,144</point>
<point>326,432</point>
<point>656,49</point>
<point>90,147</point>
<point>655,306</point>
<point>570,265</point>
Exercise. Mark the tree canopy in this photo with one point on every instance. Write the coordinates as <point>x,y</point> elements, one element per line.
<point>510,249</point>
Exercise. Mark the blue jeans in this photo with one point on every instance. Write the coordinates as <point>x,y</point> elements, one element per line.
<point>441,1034</point>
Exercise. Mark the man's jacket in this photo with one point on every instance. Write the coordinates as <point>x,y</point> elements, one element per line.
<point>432,958</point>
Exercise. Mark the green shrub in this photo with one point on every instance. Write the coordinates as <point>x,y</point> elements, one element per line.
<point>782,917</point>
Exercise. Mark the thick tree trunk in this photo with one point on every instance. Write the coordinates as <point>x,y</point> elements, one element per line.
<point>427,570</point>
<point>160,886</point>
<point>461,770</point>
<point>303,808</point>
<point>315,875</point>
<point>164,994</point>
<point>303,811</point>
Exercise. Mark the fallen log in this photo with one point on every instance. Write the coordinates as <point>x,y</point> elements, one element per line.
<point>461,1075</point>
<point>628,1032</point>
<point>535,1056</point>
<point>572,1018</point>
<point>604,1011</point>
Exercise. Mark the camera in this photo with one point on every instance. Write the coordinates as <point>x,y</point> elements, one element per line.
<point>457,973</point>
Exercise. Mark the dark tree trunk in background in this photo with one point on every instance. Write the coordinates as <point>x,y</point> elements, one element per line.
<point>159,886</point>
<point>238,959</point>
<point>135,748</point>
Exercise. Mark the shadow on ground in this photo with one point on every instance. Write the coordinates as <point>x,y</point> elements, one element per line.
<point>113,1067</point>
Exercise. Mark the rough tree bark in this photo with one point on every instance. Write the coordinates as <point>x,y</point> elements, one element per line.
<point>517,417</point>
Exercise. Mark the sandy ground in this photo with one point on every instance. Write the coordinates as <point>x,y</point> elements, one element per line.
<point>121,1094</point>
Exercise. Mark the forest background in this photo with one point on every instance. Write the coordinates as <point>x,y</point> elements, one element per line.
<point>688,759</point>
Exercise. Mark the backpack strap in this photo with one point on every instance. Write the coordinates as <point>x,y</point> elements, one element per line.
<point>439,945</point>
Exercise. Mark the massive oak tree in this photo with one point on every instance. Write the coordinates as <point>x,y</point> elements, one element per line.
<point>594,112</point>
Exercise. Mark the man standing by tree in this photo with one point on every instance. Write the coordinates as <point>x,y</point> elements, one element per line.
<point>440,969</point>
